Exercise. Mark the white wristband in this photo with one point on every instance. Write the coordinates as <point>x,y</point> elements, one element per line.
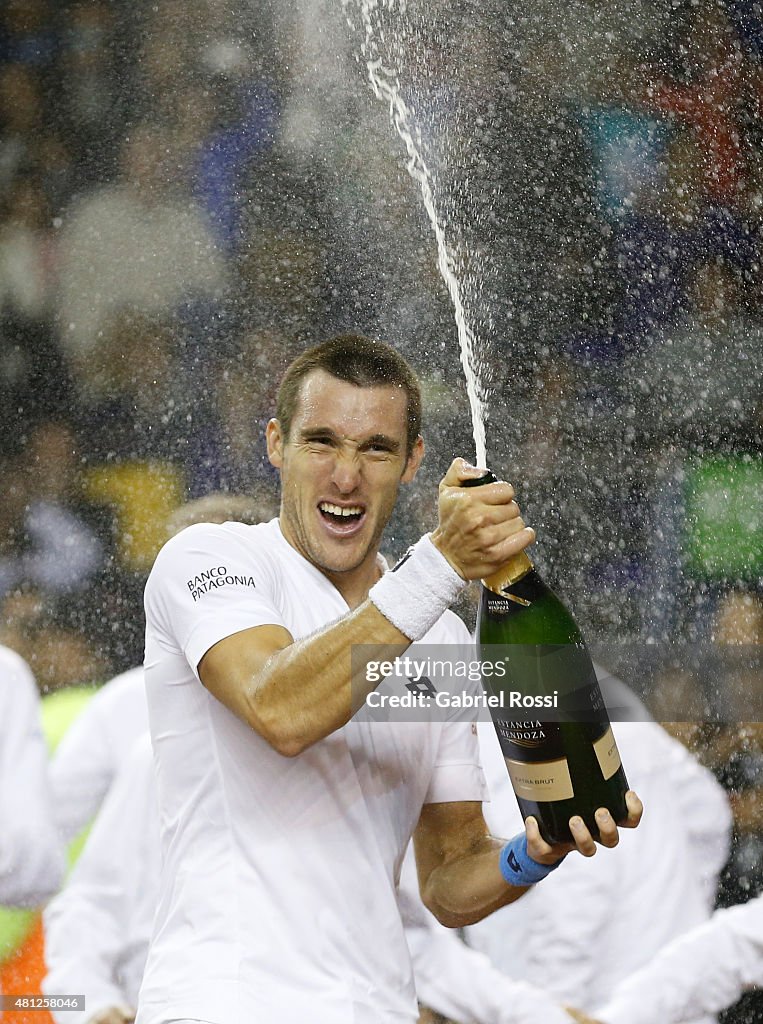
<point>414,594</point>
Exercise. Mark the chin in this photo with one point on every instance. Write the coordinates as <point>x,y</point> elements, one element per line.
<point>342,561</point>
<point>346,564</point>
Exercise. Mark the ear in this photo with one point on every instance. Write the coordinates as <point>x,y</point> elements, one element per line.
<point>275,440</point>
<point>414,461</point>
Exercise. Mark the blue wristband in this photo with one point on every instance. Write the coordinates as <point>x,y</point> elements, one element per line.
<point>518,867</point>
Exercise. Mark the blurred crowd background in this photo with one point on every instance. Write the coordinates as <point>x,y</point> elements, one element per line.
<point>192,191</point>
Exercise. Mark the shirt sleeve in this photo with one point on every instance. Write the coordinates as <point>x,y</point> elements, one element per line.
<point>462,984</point>
<point>207,584</point>
<point>457,773</point>
<point>31,855</point>
<point>703,971</point>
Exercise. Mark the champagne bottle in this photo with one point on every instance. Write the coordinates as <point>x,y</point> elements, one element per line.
<point>560,768</point>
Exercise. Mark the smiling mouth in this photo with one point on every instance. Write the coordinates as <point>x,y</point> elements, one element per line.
<point>341,517</point>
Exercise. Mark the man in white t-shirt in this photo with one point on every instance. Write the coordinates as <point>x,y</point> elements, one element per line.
<point>284,819</point>
<point>31,855</point>
<point>97,928</point>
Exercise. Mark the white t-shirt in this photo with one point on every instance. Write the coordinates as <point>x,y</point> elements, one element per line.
<point>278,900</point>
<point>94,748</point>
<point>31,856</point>
<point>97,928</point>
<point>703,971</point>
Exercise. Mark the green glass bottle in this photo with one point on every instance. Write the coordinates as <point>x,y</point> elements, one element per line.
<point>557,768</point>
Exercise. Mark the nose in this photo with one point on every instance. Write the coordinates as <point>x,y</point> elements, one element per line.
<point>346,474</point>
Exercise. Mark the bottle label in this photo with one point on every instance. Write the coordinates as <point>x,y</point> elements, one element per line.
<point>529,741</point>
<point>607,754</point>
<point>503,605</point>
<point>541,781</point>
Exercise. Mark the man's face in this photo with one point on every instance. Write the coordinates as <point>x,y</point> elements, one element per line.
<point>341,468</point>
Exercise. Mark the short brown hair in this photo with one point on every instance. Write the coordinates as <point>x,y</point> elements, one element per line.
<point>356,360</point>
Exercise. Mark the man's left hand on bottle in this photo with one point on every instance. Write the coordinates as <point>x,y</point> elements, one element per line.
<point>547,853</point>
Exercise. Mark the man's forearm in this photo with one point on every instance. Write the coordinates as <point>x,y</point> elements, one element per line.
<point>312,687</point>
<point>294,693</point>
<point>461,892</point>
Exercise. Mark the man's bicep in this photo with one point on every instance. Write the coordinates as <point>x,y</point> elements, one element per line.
<point>230,668</point>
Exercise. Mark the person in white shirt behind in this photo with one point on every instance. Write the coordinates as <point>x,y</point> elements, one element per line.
<point>704,971</point>
<point>92,749</point>
<point>31,855</point>
<point>98,927</point>
<point>581,933</point>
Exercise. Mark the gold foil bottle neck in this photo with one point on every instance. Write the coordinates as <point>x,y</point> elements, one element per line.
<point>513,570</point>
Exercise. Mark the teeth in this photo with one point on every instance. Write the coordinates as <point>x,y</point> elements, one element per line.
<point>335,510</point>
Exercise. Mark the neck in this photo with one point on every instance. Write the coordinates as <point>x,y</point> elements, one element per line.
<point>354,584</point>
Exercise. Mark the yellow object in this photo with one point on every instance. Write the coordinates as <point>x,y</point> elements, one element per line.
<point>143,495</point>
